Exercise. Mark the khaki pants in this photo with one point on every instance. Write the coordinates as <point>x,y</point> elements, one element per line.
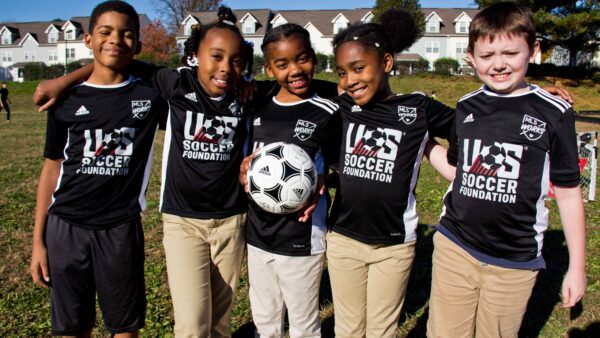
<point>468,296</point>
<point>204,258</point>
<point>279,283</point>
<point>368,284</point>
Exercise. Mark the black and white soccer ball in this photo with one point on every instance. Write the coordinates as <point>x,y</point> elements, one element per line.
<point>213,129</point>
<point>492,157</point>
<point>373,140</point>
<point>282,178</point>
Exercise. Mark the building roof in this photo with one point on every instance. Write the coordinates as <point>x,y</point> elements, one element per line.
<point>263,16</point>
<point>321,19</point>
<point>448,15</point>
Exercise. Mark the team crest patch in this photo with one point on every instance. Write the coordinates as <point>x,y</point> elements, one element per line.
<point>532,128</point>
<point>140,108</point>
<point>304,129</point>
<point>407,115</point>
<point>236,109</point>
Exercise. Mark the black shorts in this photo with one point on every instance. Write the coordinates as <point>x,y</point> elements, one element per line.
<point>84,262</point>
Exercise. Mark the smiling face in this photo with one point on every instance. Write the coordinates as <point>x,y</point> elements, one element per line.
<point>363,72</point>
<point>220,61</point>
<point>502,64</point>
<point>113,41</point>
<point>292,65</point>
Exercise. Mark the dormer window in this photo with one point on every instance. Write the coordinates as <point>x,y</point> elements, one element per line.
<point>187,29</point>
<point>248,27</point>
<point>70,34</point>
<point>6,37</point>
<point>433,26</point>
<point>339,26</point>
<point>462,27</point>
<point>52,37</point>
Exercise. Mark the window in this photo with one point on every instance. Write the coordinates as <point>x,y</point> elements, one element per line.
<point>70,53</point>
<point>433,26</point>
<point>52,55</point>
<point>6,56</point>
<point>6,39</point>
<point>70,34</point>
<point>432,47</point>
<point>339,26</point>
<point>461,48</point>
<point>248,27</point>
<point>462,27</point>
<point>187,29</point>
<point>52,37</point>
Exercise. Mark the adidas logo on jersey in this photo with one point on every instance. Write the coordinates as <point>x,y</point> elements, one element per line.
<point>469,118</point>
<point>356,109</point>
<point>191,97</point>
<point>265,171</point>
<point>82,111</point>
<point>256,122</point>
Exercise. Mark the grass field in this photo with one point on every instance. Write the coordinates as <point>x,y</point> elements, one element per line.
<point>24,308</point>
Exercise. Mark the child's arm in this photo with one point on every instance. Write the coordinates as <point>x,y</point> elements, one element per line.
<point>39,262</point>
<point>48,91</point>
<point>437,156</point>
<point>570,206</point>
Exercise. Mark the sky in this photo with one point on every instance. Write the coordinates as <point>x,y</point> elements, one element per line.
<point>47,10</point>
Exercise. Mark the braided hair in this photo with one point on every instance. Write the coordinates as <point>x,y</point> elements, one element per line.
<point>285,31</point>
<point>226,20</point>
<point>396,32</point>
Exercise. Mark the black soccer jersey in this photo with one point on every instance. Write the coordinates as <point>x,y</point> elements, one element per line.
<point>203,150</point>
<point>314,125</point>
<point>382,147</point>
<point>508,148</point>
<point>105,135</point>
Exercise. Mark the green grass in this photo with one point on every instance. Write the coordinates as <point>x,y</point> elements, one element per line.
<point>24,308</point>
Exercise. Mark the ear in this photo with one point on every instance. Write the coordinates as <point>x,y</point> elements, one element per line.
<point>388,62</point>
<point>269,71</point>
<point>534,51</point>
<point>87,38</point>
<point>471,58</point>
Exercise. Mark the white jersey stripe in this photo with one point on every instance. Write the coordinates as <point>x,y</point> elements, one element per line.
<point>411,219</point>
<point>471,94</point>
<point>327,102</point>
<point>165,157</point>
<point>62,165</point>
<point>147,169</point>
<point>325,107</point>
<point>541,217</point>
<point>559,103</point>
<point>554,103</point>
<point>558,99</point>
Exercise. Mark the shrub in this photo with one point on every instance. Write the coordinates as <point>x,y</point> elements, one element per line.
<point>332,64</point>
<point>259,64</point>
<point>596,77</point>
<point>446,66</point>
<point>412,67</point>
<point>321,64</point>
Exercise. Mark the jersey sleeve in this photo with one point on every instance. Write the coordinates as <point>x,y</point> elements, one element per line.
<point>325,89</point>
<point>564,158</point>
<point>166,81</point>
<point>56,137</point>
<point>452,155</point>
<point>439,118</point>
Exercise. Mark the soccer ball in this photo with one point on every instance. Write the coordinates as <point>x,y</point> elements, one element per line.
<point>492,157</point>
<point>282,178</point>
<point>373,140</point>
<point>213,129</point>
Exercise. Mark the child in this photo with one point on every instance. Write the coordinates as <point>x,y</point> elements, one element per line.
<point>4,101</point>
<point>88,236</point>
<point>372,243</point>
<point>512,139</point>
<point>203,206</point>
<point>285,255</point>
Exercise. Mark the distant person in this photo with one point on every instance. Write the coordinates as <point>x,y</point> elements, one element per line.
<point>5,101</point>
<point>88,237</point>
<point>511,140</point>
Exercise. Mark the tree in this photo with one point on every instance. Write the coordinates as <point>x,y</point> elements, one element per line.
<point>157,43</point>
<point>411,6</point>
<point>571,24</point>
<point>174,11</point>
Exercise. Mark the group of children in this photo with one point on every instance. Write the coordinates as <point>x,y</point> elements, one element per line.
<point>88,237</point>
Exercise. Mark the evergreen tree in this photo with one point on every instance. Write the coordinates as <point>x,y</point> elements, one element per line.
<point>411,6</point>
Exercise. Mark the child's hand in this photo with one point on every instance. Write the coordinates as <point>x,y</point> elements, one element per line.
<point>562,92</point>
<point>46,93</point>
<point>573,288</point>
<point>245,90</point>
<point>39,265</point>
<point>305,213</point>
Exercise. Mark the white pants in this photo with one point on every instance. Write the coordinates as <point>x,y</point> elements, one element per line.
<point>280,282</point>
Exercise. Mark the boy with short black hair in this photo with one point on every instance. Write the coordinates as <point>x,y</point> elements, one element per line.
<point>5,101</point>
<point>512,140</point>
<point>88,236</point>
